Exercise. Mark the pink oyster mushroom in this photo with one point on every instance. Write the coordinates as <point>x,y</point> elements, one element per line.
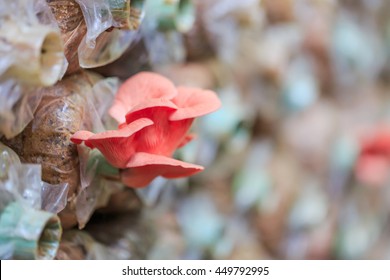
<point>373,163</point>
<point>154,118</point>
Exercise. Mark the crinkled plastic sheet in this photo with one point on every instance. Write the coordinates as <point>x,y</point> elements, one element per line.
<point>103,95</point>
<point>98,17</point>
<point>109,47</point>
<point>30,24</point>
<point>100,46</point>
<point>54,197</point>
<point>31,11</point>
<point>8,158</point>
<point>92,197</point>
<point>21,195</point>
<point>17,106</point>
<point>94,191</point>
<point>27,233</point>
<point>19,97</point>
<point>77,102</point>
<point>24,180</point>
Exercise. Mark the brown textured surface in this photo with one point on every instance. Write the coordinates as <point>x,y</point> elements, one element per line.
<point>67,13</point>
<point>46,140</point>
<point>73,29</point>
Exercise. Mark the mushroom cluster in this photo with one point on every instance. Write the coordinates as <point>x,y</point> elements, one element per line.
<point>154,118</point>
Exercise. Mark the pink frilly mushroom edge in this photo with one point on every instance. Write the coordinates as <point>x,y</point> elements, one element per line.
<point>154,118</point>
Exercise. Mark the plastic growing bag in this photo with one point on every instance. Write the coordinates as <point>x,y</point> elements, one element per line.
<point>25,231</point>
<point>110,25</point>
<point>31,55</point>
<point>30,51</point>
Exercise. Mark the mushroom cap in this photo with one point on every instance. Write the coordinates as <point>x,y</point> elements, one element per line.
<point>144,167</point>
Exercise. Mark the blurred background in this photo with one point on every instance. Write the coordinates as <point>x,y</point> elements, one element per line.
<point>296,161</point>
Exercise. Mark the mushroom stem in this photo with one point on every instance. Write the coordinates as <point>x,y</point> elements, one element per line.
<point>35,53</point>
<point>30,233</point>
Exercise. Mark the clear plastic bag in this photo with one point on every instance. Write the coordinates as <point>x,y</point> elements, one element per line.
<point>54,197</point>
<point>31,55</point>
<point>98,17</point>
<point>109,47</point>
<point>30,51</point>
<point>26,232</point>
<point>103,44</point>
<point>63,110</point>
<point>24,180</point>
<point>17,106</point>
